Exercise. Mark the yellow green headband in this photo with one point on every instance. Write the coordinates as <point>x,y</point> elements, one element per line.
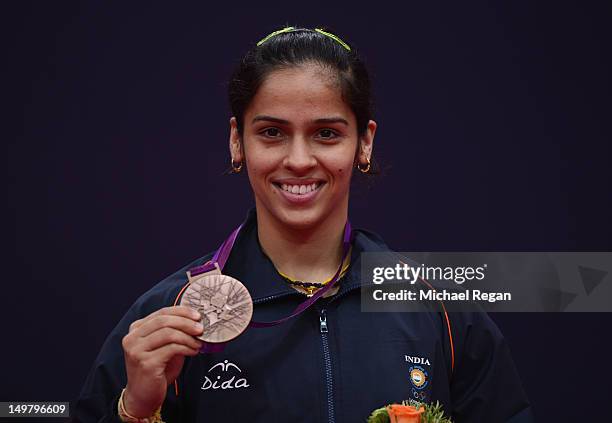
<point>320,31</point>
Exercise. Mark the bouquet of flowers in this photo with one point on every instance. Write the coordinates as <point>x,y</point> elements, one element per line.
<point>408,412</point>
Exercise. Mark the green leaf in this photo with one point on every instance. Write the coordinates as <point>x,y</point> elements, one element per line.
<point>434,413</point>
<point>379,415</point>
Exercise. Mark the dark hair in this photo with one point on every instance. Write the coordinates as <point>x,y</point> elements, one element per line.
<point>293,48</point>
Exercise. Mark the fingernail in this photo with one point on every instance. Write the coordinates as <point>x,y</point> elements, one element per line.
<point>196,315</point>
<point>199,326</point>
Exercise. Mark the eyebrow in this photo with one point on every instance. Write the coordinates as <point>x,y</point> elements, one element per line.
<point>332,120</point>
<point>266,118</point>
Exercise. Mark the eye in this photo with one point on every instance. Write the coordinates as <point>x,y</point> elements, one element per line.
<point>271,132</point>
<point>327,134</point>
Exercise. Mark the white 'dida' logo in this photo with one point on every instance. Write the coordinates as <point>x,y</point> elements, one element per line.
<point>228,382</point>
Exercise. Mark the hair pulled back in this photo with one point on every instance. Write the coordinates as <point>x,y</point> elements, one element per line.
<point>298,47</point>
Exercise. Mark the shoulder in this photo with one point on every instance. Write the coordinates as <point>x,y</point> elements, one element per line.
<point>368,241</point>
<point>165,292</point>
<point>161,295</point>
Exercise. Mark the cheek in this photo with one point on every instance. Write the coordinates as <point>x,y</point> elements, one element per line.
<point>260,166</point>
<point>259,163</point>
<point>341,166</point>
<point>344,173</point>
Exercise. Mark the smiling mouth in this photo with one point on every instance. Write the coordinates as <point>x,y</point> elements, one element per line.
<point>300,189</point>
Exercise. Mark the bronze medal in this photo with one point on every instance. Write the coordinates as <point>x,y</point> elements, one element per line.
<point>224,303</point>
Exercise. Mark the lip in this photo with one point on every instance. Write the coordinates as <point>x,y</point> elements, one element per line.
<point>297,181</point>
<point>299,199</point>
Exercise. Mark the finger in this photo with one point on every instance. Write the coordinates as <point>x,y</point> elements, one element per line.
<point>134,325</point>
<point>177,311</point>
<point>165,336</point>
<point>183,311</point>
<point>156,323</point>
<point>168,351</point>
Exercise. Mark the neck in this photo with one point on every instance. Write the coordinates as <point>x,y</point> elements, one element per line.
<point>311,254</point>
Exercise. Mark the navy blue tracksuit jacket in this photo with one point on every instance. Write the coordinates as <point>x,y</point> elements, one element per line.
<point>332,363</point>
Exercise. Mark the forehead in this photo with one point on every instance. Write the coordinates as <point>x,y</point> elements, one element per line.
<point>296,93</point>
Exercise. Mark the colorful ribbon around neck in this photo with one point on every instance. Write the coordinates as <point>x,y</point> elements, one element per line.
<point>220,258</point>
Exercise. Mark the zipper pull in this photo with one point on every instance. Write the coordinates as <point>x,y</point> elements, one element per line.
<point>323,321</point>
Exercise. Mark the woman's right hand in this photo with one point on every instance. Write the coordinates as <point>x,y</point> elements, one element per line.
<point>155,349</point>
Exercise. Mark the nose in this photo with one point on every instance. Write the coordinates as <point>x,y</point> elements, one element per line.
<point>299,158</point>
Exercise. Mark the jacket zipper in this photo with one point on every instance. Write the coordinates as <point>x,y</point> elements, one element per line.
<point>323,329</point>
<point>327,359</point>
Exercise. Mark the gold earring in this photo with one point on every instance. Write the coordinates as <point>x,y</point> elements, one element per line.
<point>364,169</point>
<point>235,169</point>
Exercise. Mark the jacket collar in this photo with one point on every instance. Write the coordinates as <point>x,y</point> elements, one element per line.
<point>250,265</point>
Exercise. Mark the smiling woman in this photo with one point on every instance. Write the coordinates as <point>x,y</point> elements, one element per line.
<point>299,132</point>
<point>300,142</point>
<point>302,123</point>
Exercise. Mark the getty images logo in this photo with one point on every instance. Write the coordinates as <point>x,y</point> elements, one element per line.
<point>417,360</point>
<point>223,380</point>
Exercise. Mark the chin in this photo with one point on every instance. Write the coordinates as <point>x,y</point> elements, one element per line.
<point>300,219</point>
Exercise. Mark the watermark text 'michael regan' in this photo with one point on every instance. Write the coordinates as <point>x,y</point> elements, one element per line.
<point>442,295</point>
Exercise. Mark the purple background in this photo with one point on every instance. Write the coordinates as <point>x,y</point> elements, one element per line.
<point>494,134</point>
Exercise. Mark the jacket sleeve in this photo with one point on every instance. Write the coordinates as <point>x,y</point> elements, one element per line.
<point>485,386</point>
<point>99,396</point>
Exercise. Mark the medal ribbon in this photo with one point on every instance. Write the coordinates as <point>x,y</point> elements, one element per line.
<point>222,254</point>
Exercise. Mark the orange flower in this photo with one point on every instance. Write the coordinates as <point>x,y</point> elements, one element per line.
<point>404,413</point>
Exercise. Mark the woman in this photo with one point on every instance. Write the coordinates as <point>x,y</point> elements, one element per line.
<point>301,123</point>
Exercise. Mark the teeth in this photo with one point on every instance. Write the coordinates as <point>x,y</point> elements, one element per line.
<point>299,189</point>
